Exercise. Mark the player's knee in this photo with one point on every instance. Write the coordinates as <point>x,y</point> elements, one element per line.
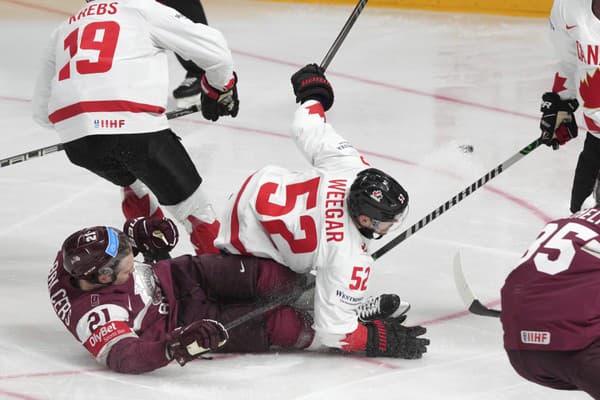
<point>275,279</point>
<point>289,328</point>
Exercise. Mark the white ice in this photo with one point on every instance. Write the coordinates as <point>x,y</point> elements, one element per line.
<point>411,87</point>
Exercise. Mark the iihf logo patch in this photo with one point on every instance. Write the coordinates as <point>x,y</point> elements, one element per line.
<point>535,337</point>
<point>377,195</point>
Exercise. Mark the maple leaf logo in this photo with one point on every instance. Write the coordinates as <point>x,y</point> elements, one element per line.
<point>559,83</point>
<point>589,90</point>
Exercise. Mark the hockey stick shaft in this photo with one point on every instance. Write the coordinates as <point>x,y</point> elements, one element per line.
<point>460,196</point>
<point>5,162</point>
<point>286,299</point>
<point>343,33</point>
<point>466,293</point>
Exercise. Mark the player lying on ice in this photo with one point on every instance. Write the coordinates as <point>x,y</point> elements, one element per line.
<point>322,220</point>
<point>135,317</point>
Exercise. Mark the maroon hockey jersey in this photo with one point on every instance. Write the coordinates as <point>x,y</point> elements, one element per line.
<point>551,301</point>
<point>134,316</point>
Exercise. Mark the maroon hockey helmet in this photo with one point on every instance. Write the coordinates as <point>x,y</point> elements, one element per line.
<point>90,251</point>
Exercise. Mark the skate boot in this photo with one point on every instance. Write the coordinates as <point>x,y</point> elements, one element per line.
<point>188,93</point>
<point>383,306</point>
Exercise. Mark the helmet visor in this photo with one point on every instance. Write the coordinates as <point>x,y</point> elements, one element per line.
<point>383,227</point>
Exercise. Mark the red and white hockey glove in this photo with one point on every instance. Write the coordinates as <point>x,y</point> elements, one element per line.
<point>219,102</point>
<point>558,123</point>
<point>150,234</point>
<point>187,343</point>
<point>388,338</point>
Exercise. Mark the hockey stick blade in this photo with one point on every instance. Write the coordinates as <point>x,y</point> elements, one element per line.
<point>5,162</point>
<point>466,293</point>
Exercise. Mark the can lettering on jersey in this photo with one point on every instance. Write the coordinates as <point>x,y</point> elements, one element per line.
<point>334,209</point>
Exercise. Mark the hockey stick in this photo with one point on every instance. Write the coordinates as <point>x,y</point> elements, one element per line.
<point>343,33</point>
<point>5,162</point>
<point>460,196</point>
<point>286,299</point>
<point>466,293</point>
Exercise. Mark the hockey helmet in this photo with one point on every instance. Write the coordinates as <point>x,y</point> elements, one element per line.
<point>378,196</point>
<point>94,251</point>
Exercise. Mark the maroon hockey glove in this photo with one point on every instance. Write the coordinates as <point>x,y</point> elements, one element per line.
<point>219,102</point>
<point>309,83</point>
<point>150,234</point>
<point>389,338</point>
<point>187,343</point>
<point>558,123</point>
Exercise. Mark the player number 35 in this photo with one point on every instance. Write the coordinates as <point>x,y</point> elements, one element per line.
<point>553,251</point>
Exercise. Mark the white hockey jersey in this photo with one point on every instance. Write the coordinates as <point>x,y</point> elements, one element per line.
<point>300,219</point>
<point>575,33</point>
<point>105,69</point>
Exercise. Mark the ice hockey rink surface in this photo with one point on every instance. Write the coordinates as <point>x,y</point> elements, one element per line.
<point>411,87</point>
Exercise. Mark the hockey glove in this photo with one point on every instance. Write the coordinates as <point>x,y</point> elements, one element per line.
<point>558,123</point>
<point>309,83</point>
<point>389,338</point>
<point>216,102</point>
<point>151,235</point>
<point>187,343</point>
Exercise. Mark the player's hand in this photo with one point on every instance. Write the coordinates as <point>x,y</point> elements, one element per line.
<point>219,102</point>
<point>187,343</point>
<point>309,83</point>
<point>389,338</point>
<point>558,123</point>
<point>151,234</point>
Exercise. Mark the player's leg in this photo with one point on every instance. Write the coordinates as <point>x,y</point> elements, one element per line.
<point>283,327</point>
<point>96,153</point>
<point>587,370</point>
<point>161,162</point>
<point>231,278</point>
<point>227,287</point>
<point>138,201</point>
<point>546,368</point>
<point>588,165</point>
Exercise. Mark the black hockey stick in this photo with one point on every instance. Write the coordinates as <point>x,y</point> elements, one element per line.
<point>5,162</point>
<point>466,293</point>
<point>456,199</point>
<point>268,306</point>
<point>343,33</point>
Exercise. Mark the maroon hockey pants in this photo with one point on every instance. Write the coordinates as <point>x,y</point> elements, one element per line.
<point>563,370</point>
<point>226,287</point>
